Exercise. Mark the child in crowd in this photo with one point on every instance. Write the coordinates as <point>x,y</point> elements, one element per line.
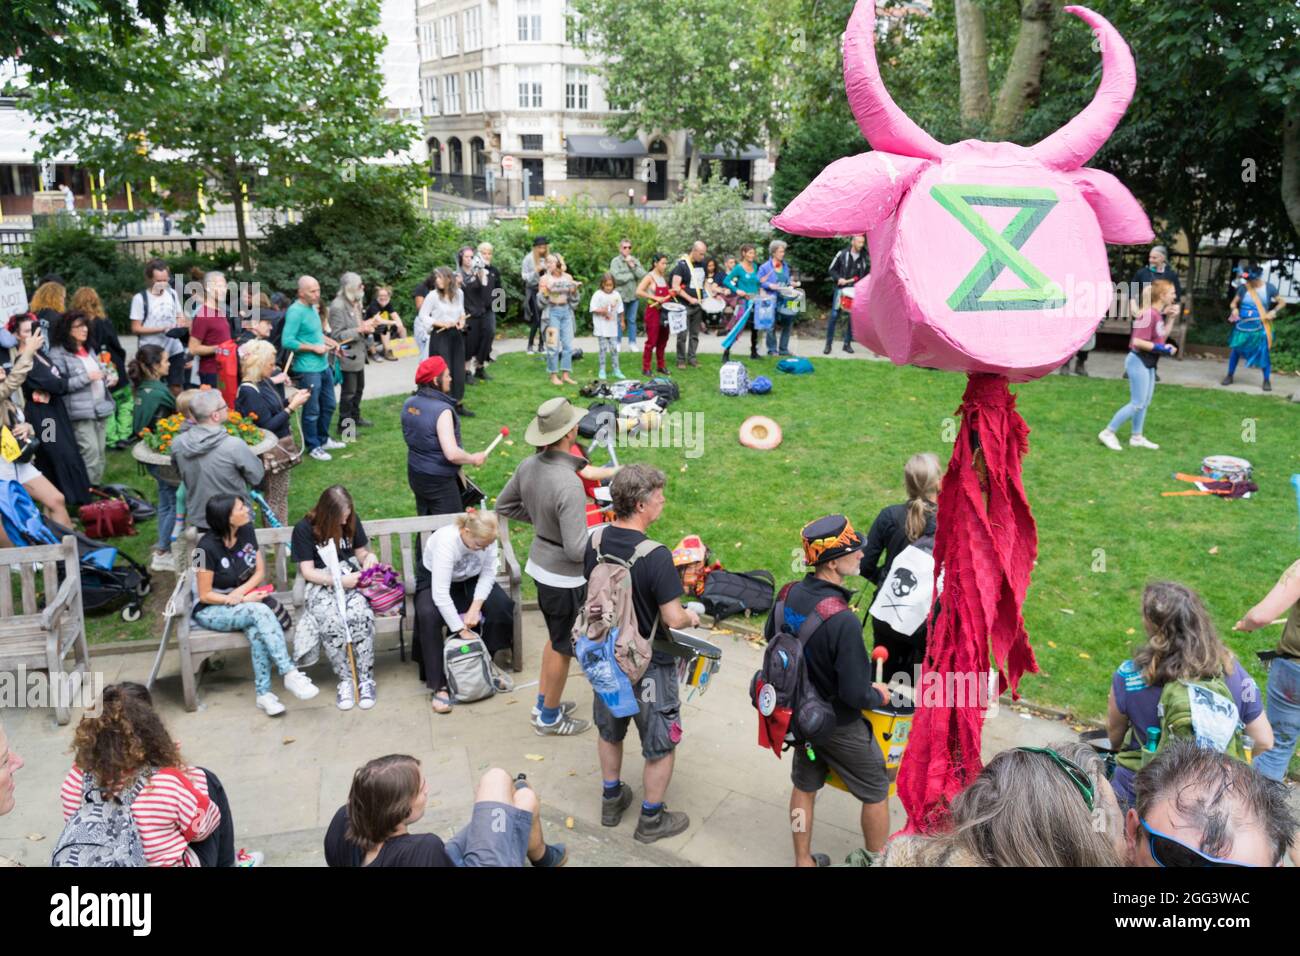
<point>607,321</point>
<point>153,400</point>
<point>178,525</point>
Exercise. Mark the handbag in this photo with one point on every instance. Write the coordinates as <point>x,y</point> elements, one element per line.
<point>18,451</point>
<point>285,455</point>
<point>281,613</point>
<point>107,519</point>
<point>470,493</point>
<point>381,586</point>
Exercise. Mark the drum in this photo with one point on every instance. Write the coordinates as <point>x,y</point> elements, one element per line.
<point>676,313</point>
<point>713,305</point>
<point>764,313</point>
<point>1226,468</point>
<point>891,728</point>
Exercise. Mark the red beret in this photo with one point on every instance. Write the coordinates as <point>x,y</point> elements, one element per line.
<point>429,370</point>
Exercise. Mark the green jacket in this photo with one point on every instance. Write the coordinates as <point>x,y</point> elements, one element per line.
<point>626,277</point>
<point>153,400</point>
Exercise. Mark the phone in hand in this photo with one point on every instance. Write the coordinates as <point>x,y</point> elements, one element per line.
<point>262,591</point>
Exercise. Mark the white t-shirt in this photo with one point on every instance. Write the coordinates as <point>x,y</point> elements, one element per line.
<point>603,326</point>
<point>448,559</point>
<point>436,308</point>
<point>157,311</point>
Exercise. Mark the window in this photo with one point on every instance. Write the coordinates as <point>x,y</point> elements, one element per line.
<point>575,88</point>
<point>428,42</point>
<point>529,15</point>
<point>598,167</point>
<point>531,141</point>
<point>575,31</point>
<point>477,155</point>
<point>473,29</point>
<point>474,92</point>
<point>447,40</point>
<point>430,91</point>
<point>451,87</point>
<point>530,87</point>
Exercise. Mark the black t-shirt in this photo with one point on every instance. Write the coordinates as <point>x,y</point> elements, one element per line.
<point>421,291</point>
<point>374,308</point>
<point>230,567</point>
<point>408,850</point>
<point>655,580</point>
<point>303,545</point>
<point>686,269</point>
<point>1146,275</point>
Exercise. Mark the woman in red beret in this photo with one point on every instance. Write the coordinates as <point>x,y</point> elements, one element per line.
<point>431,428</point>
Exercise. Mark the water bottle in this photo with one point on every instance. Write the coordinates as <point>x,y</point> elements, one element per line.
<point>521,781</point>
<point>1153,742</point>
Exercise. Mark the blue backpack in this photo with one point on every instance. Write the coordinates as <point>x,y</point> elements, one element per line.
<point>761,385</point>
<point>795,366</point>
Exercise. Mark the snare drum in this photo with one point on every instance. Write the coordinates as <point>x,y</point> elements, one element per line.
<point>676,313</point>
<point>891,728</point>
<point>713,305</point>
<point>697,659</point>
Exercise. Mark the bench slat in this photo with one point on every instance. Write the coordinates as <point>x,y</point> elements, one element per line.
<point>27,577</point>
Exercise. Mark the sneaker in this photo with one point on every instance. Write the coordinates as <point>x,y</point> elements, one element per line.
<point>1107,438</point>
<point>693,363</point>
<point>1063,370</point>
<point>1227,380</point>
<point>611,808</point>
<point>249,858</point>
<point>531,351</point>
<point>555,855</point>
<point>664,824</point>
<point>163,561</point>
<point>300,685</point>
<point>332,445</point>
<point>343,698</point>
<point>600,377</point>
<point>564,726</point>
<point>320,454</point>
<point>1139,441</point>
<point>826,351</point>
<point>1267,386</point>
<point>271,704</point>
<point>364,423</point>
<point>848,348</point>
<point>367,695</point>
<point>618,374</point>
<point>566,708</point>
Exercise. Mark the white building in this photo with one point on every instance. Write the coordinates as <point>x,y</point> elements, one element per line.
<point>503,78</point>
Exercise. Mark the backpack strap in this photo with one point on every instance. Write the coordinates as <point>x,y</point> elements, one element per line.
<point>826,609</point>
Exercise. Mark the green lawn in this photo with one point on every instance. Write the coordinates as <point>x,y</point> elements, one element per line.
<point>848,430</point>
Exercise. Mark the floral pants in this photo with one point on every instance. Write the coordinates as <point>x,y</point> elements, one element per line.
<point>320,627</point>
<point>265,636</point>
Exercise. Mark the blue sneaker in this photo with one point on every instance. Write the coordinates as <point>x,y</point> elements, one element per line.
<point>555,855</point>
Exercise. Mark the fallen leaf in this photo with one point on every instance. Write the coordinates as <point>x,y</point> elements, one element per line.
<point>1086,656</point>
<point>533,757</point>
<point>683,467</point>
<point>568,822</point>
<point>1214,550</point>
<point>511,701</point>
<point>573,773</point>
<point>1066,610</point>
<point>1131,630</point>
<point>1026,716</point>
<point>738,544</point>
<point>36,837</point>
<point>1079,728</point>
<point>288,740</point>
<point>510,441</point>
<point>1052,644</point>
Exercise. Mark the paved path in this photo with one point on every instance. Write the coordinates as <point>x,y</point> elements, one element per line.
<point>286,777</point>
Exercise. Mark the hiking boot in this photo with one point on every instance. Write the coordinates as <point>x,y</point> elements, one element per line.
<point>564,726</point>
<point>1227,380</point>
<point>611,808</point>
<point>664,824</point>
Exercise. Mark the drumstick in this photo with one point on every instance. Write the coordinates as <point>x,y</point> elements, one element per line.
<point>496,441</point>
<point>880,655</point>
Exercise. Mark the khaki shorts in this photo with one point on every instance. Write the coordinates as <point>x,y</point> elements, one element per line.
<point>658,722</point>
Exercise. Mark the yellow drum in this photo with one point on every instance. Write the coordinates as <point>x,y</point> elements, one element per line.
<point>891,729</point>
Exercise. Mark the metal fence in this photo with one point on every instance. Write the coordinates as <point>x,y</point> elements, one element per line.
<point>756,216</point>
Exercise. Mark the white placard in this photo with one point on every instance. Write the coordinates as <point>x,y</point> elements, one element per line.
<point>13,294</point>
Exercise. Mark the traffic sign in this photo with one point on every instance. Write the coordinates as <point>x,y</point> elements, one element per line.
<point>507,163</point>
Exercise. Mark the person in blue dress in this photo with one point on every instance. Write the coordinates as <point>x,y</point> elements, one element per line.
<point>1253,309</point>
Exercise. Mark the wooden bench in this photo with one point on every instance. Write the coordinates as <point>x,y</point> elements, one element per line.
<point>398,542</point>
<point>35,638</point>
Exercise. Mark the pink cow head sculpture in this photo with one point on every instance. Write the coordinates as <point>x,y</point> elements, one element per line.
<point>985,257</point>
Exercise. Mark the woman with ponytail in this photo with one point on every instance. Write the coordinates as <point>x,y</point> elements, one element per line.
<point>153,400</point>
<point>1181,645</point>
<point>895,529</point>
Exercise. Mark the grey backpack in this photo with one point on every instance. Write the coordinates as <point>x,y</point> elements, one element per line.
<point>102,832</point>
<point>468,667</point>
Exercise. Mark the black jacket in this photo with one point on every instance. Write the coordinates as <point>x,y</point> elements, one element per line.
<point>103,338</point>
<point>888,535</point>
<point>835,654</point>
<point>843,267</point>
<point>478,295</point>
<point>265,402</point>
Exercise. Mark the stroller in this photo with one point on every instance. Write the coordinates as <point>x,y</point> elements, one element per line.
<point>105,585</point>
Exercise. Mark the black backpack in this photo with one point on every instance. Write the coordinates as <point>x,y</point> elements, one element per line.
<point>790,708</point>
<point>729,592</point>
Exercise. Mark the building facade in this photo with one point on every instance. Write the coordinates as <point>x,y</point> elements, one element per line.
<point>506,80</point>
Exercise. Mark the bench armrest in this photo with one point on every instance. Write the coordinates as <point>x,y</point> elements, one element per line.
<point>513,571</point>
<point>181,602</point>
<point>62,603</point>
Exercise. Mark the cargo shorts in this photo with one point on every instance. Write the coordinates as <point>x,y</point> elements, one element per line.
<point>658,722</point>
<point>851,750</point>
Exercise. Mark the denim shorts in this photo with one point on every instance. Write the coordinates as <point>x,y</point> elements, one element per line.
<point>497,836</point>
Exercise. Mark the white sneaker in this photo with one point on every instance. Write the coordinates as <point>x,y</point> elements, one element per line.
<point>163,562</point>
<point>344,696</point>
<point>530,350</point>
<point>320,454</point>
<point>332,445</point>
<point>300,685</point>
<point>271,704</point>
<point>1107,438</point>
<point>1140,441</point>
<point>367,695</point>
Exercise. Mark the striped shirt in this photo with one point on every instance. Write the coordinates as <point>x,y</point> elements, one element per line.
<point>168,814</point>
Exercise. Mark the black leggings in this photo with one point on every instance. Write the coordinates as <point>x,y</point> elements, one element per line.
<point>533,314</point>
<point>496,628</point>
<point>219,848</point>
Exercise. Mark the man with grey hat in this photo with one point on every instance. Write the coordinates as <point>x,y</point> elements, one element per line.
<point>546,492</point>
<point>837,664</point>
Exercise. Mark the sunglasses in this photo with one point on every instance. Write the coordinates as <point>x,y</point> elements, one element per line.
<point>1168,852</point>
<point>1072,770</point>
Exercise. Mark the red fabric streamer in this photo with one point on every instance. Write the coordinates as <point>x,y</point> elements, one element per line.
<point>985,545</point>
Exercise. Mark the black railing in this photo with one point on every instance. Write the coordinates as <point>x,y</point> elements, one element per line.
<point>461,184</point>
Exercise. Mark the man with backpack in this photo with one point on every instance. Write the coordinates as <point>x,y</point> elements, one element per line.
<point>831,687</point>
<point>158,319</point>
<point>546,492</point>
<point>632,579</point>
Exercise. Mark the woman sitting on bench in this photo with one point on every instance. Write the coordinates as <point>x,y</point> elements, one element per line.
<point>231,597</point>
<point>456,589</point>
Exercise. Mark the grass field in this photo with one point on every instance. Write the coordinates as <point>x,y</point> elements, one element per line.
<point>1104,530</point>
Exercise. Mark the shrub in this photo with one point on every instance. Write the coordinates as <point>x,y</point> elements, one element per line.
<point>84,258</point>
<point>429,244</point>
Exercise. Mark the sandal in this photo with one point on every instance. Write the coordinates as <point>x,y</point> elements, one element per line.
<point>555,380</point>
<point>441,703</point>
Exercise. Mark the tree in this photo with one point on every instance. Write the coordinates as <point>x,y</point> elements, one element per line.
<point>46,37</point>
<point>281,107</point>
<point>700,69</point>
